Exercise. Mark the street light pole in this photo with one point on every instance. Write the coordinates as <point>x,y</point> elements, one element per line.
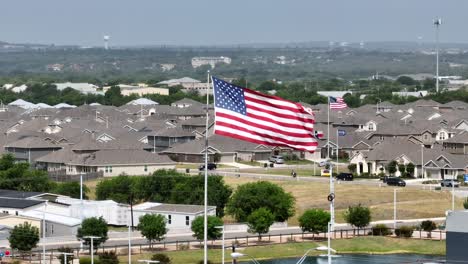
<point>222,252</point>
<point>437,23</point>
<point>65,254</point>
<point>394,209</point>
<point>329,244</point>
<point>92,246</point>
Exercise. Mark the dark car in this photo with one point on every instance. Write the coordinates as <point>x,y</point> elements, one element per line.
<point>395,181</point>
<point>345,176</point>
<point>211,166</point>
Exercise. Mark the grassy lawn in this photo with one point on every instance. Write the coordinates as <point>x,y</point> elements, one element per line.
<point>412,202</point>
<point>375,245</point>
<point>251,163</point>
<point>92,187</point>
<point>298,162</point>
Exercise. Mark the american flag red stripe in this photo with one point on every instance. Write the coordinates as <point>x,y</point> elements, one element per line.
<point>337,103</point>
<point>263,119</point>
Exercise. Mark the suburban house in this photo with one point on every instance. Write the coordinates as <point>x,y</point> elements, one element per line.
<point>228,149</point>
<point>109,162</point>
<point>30,148</point>
<point>429,162</point>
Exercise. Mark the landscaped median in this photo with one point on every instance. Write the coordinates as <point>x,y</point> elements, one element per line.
<point>363,245</point>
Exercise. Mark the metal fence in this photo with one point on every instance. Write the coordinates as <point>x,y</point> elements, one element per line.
<point>62,176</point>
<point>243,241</point>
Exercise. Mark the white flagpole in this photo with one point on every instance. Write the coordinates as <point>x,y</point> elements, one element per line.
<point>205,215</point>
<point>337,151</point>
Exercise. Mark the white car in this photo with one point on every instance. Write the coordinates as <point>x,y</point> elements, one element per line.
<point>278,159</point>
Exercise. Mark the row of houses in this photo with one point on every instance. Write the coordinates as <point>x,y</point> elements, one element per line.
<point>143,136</point>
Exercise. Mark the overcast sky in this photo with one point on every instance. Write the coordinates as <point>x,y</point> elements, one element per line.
<point>202,22</point>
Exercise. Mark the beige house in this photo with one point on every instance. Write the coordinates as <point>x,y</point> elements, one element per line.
<point>13,220</point>
<point>140,91</point>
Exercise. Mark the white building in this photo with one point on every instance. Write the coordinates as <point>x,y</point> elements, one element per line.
<point>212,61</point>
<point>415,94</point>
<point>334,93</point>
<point>81,87</point>
<point>179,216</point>
<point>114,213</point>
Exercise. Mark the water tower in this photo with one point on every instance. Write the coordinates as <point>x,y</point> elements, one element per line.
<point>106,42</point>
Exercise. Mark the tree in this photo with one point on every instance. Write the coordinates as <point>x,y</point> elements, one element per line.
<point>314,220</point>
<point>162,258</point>
<point>213,232</point>
<point>216,157</point>
<point>24,237</point>
<point>93,226</point>
<point>71,189</point>
<point>392,167</point>
<point>358,216</point>
<point>118,189</point>
<point>152,227</point>
<point>406,80</point>
<point>259,221</point>
<point>252,196</point>
<point>352,167</point>
<point>410,169</point>
<point>402,169</point>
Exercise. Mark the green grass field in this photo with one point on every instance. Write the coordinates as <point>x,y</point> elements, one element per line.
<point>364,245</point>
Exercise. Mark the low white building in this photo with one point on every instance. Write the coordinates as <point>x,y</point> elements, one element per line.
<point>212,61</point>
<point>85,88</point>
<point>114,213</point>
<point>334,93</point>
<point>179,216</point>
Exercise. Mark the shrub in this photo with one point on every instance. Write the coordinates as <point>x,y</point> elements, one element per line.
<point>87,260</point>
<point>352,167</point>
<point>381,230</point>
<point>428,226</point>
<point>108,257</point>
<point>465,203</point>
<point>162,258</point>
<point>404,231</point>
<point>208,262</point>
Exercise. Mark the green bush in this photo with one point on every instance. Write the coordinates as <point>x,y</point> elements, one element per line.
<point>381,230</point>
<point>404,231</point>
<point>108,257</point>
<point>87,260</point>
<point>465,203</point>
<point>162,258</point>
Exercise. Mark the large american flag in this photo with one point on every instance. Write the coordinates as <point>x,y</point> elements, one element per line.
<point>264,119</point>
<point>337,103</point>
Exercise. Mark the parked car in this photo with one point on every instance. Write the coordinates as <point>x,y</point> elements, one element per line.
<point>211,166</point>
<point>345,176</point>
<point>323,163</point>
<point>278,159</point>
<point>449,182</point>
<point>395,181</point>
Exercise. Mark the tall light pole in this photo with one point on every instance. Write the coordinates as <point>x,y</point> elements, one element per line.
<point>394,209</point>
<point>44,233</point>
<point>65,254</point>
<point>437,23</point>
<point>422,161</point>
<point>222,252</point>
<point>92,246</point>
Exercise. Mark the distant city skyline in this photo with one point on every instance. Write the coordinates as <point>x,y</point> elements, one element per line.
<point>211,22</point>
